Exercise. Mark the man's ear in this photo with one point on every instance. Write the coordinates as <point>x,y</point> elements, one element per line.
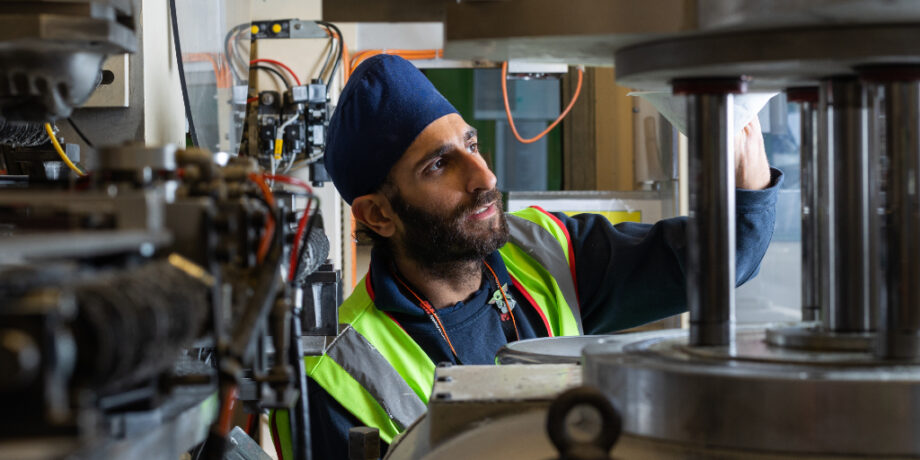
<point>374,211</point>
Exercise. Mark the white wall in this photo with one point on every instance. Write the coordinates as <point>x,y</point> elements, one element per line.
<point>164,110</point>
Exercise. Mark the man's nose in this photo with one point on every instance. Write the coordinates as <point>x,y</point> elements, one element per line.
<point>479,176</point>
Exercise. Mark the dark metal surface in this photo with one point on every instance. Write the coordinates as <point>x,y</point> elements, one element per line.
<point>844,215</point>
<point>64,44</point>
<point>777,403</point>
<point>814,338</point>
<point>711,227</point>
<point>899,325</point>
<point>775,58</point>
<point>811,269</point>
<point>588,32</point>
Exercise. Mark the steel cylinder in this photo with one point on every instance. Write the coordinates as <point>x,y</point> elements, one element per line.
<point>811,268</point>
<point>843,206</point>
<point>899,316</point>
<point>711,226</point>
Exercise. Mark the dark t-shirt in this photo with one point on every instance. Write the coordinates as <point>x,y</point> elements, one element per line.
<point>627,275</point>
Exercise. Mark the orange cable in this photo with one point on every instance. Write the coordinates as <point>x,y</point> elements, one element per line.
<point>550,127</point>
<point>221,73</point>
<point>270,222</point>
<point>431,313</point>
<point>226,410</point>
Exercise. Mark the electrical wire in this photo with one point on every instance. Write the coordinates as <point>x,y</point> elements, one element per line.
<point>277,63</point>
<point>333,43</point>
<point>338,58</point>
<point>279,136</point>
<point>229,54</point>
<point>226,411</point>
<point>272,71</point>
<point>79,132</point>
<point>551,126</point>
<point>270,222</point>
<point>60,151</point>
<point>181,68</point>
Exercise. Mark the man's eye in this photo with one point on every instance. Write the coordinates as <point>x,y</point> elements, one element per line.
<point>437,164</point>
<point>474,147</point>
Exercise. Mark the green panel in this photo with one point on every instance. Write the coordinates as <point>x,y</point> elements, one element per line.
<point>457,86</point>
<point>554,158</point>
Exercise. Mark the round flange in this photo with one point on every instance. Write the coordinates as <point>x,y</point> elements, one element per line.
<point>759,398</point>
<point>774,58</point>
<point>812,337</point>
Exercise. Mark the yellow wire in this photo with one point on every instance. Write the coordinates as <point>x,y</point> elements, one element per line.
<point>60,151</point>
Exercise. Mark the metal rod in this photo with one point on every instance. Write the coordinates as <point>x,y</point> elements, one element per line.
<point>899,322</point>
<point>843,206</point>
<point>711,227</point>
<point>811,269</point>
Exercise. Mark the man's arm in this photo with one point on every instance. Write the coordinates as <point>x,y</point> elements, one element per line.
<point>631,274</point>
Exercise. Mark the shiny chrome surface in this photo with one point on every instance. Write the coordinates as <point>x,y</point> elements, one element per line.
<point>844,164</point>
<point>711,227</point>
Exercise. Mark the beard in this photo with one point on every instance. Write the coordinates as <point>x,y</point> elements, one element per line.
<point>443,244</point>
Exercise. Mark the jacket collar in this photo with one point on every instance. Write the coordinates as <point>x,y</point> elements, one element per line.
<point>389,297</point>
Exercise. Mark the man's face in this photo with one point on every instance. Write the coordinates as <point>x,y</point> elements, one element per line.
<point>444,196</point>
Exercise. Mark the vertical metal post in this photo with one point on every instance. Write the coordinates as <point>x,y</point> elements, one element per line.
<point>807,98</point>
<point>844,206</point>
<point>899,316</point>
<point>711,227</point>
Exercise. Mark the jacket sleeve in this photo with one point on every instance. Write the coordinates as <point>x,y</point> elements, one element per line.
<point>631,274</point>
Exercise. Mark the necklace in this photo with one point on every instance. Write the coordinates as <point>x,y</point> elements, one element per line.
<point>436,320</point>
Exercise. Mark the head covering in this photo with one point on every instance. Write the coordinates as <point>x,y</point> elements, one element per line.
<point>383,108</point>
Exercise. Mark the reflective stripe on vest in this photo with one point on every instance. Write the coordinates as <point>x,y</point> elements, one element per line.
<point>376,371</point>
<point>368,367</point>
<point>537,235</point>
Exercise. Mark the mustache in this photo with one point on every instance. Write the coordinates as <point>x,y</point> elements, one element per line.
<point>481,199</point>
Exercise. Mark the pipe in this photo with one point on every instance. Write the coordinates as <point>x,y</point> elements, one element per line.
<point>843,210</point>
<point>711,226</point>
<point>807,98</point>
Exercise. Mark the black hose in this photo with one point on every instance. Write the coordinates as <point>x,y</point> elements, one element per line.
<point>79,132</point>
<point>338,58</point>
<point>271,70</point>
<point>188,106</point>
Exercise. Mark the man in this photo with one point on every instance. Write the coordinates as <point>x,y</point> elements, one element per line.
<point>453,278</point>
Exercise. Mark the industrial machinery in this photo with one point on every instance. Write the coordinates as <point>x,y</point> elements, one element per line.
<point>844,382</point>
<point>139,299</point>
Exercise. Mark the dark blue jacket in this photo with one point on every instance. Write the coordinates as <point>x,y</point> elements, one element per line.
<point>628,274</point>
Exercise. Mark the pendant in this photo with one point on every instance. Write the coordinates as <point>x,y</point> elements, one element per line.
<point>499,301</point>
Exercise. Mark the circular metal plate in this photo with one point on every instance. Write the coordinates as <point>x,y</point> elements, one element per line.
<point>546,350</point>
<point>776,58</point>
<point>812,337</point>
<point>759,397</point>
